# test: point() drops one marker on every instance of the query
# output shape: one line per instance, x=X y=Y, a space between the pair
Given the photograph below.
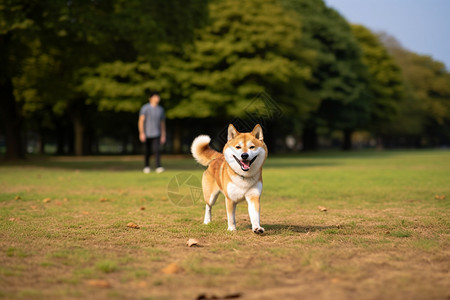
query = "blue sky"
x=422 y=26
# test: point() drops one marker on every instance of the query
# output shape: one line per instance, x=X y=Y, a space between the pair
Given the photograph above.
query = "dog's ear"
x=258 y=133
x=232 y=132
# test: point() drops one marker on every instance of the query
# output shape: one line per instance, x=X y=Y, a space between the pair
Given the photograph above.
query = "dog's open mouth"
x=245 y=163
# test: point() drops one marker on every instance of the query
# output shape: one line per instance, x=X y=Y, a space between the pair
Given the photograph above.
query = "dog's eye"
x=252 y=147
x=238 y=147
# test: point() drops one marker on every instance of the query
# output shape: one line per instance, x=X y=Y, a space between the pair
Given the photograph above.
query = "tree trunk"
x=9 y=110
x=60 y=138
x=90 y=142
x=177 y=137
x=40 y=138
x=40 y=143
x=124 y=144
x=78 y=130
x=71 y=141
x=347 y=145
x=12 y=120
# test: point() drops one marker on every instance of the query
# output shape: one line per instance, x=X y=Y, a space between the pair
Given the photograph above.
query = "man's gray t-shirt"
x=153 y=117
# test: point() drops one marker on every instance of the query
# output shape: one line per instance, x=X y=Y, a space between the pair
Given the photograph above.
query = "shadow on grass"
x=276 y=229
x=186 y=162
x=297 y=163
x=136 y=163
x=323 y=158
x=102 y=163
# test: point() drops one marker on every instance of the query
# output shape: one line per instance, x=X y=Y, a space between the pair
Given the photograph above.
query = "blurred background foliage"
x=75 y=73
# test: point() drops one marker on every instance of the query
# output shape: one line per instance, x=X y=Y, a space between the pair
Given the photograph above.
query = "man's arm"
x=141 y=128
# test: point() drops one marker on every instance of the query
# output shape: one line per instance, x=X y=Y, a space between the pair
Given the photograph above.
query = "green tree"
x=425 y=109
x=46 y=41
x=137 y=30
x=385 y=79
x=339 y=78
x=77 y=36
x=244 y=49
x=241 y=52
x=15 y=29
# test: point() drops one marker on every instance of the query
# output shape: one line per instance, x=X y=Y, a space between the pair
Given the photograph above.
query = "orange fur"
x=236 y=172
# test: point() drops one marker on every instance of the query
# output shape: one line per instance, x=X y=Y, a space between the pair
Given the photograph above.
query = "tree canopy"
x=424 y=113
x=241 y=52
x=68 y=65
x=339 y=78
x=57 y=42
x=385 y=80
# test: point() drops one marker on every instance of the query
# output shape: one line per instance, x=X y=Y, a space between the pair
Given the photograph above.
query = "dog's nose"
x=244 y=155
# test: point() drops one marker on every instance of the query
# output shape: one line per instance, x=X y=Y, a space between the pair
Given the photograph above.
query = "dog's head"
x=245 y=152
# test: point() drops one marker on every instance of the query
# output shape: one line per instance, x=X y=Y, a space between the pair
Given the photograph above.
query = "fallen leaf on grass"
x=133 y=225
x=142 y=208
x=17 y=198
x=335 y=280
x=212 y=296
x=439 y=197
x=206 y=297
x=232 y=296
x=172 y=268
x=85 y=212
x=322 y=208
x=46 y=200
x=192 y=242
x=103 y=199
x=14 y=219
x=140 y=284
x=99 y=283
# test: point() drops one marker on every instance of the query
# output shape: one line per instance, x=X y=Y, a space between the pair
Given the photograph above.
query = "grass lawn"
x=385 y=233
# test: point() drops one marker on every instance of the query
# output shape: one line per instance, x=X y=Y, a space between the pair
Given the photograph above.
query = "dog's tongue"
x=245 y=165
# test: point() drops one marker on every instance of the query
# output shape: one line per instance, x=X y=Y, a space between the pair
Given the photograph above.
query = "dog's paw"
x=258 y=230
x=231 y=229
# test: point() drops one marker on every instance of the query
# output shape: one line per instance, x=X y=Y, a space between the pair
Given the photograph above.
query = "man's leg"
x=147 y=152
x=155 y=148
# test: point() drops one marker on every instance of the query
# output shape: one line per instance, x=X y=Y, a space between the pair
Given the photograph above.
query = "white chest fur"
x=239 y=188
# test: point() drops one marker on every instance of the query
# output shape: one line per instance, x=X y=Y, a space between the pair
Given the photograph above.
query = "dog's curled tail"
x=202 y=152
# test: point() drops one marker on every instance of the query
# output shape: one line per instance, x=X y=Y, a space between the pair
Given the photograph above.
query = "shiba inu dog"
x=236 y=172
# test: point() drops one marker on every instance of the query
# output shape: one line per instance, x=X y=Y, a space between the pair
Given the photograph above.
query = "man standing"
x=152 y=130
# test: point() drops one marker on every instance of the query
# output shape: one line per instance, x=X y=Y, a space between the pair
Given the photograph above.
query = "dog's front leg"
x=207 y=219
x=231 y=214
x=253 y=211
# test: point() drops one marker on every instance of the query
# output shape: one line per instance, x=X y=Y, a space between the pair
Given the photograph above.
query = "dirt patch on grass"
x=340 y=254
x=82 y=247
